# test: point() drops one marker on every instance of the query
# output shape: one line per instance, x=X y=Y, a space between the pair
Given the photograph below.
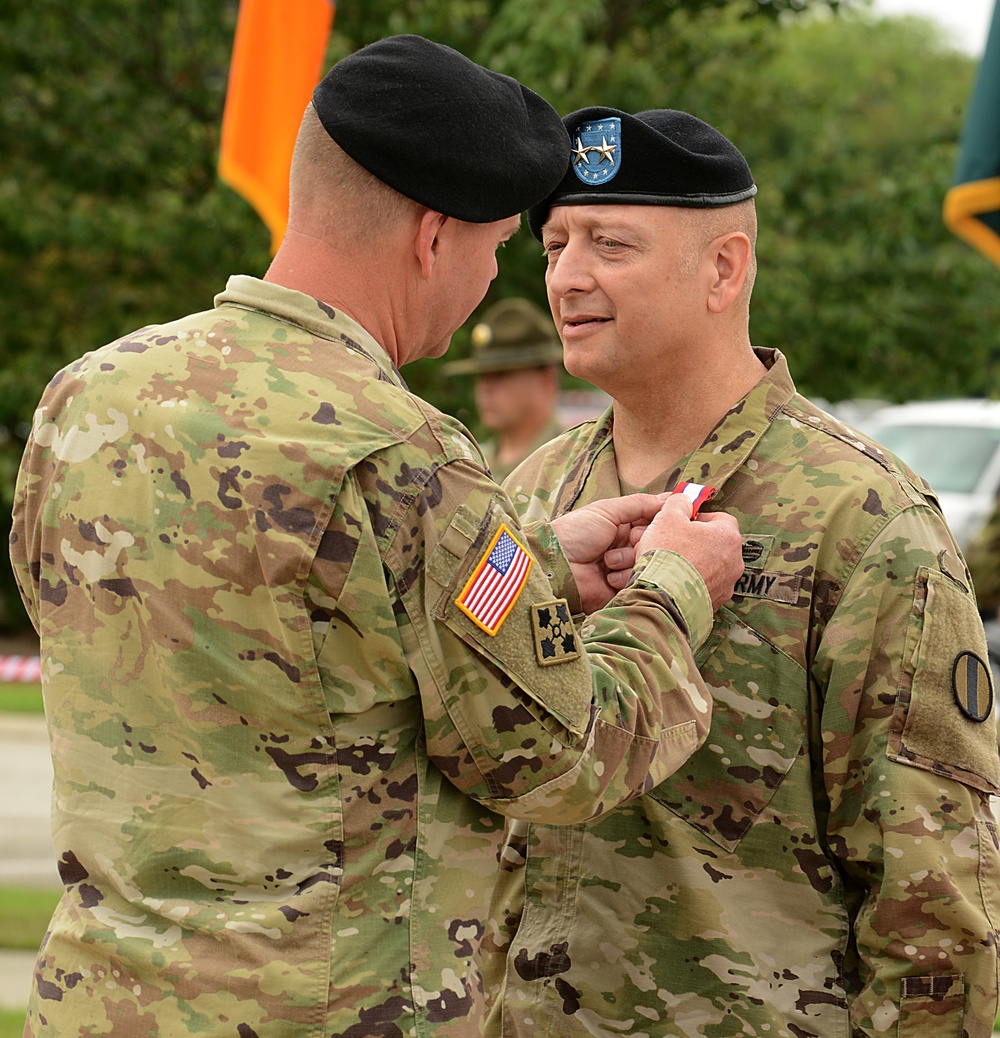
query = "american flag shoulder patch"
x=497 y=580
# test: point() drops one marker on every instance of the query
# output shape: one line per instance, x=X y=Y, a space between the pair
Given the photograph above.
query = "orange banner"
x=277 y=61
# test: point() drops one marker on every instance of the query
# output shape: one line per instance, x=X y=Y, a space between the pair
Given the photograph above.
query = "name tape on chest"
x=497 y=580
x=778 y=587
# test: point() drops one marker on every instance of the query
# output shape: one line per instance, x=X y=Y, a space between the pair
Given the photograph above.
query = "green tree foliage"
x=112 y=215
x=851 y=130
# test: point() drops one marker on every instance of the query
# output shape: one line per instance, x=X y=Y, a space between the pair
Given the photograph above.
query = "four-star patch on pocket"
x=556 y=640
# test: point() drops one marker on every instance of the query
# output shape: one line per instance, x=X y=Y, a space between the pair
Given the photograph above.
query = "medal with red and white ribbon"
x=695 y=493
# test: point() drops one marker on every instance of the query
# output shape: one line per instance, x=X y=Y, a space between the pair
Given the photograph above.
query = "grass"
x=24 y=912
x=11 y=1023
x=24 y=916
x=20 y=697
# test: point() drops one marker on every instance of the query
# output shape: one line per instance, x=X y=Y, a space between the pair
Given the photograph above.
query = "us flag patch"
x=491 y=591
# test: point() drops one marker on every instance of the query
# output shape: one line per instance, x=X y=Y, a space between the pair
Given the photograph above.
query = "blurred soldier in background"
x=517 y=360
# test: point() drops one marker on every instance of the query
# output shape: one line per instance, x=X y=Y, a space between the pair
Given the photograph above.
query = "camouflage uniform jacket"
x=826 y=864
x=278 y=742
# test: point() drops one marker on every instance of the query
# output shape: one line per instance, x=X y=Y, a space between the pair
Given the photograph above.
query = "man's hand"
x=711 y=543
x=602 y=541
x=600 y=528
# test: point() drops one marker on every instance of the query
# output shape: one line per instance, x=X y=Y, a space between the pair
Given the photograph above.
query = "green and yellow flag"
x=972 y=204
x=277 y=60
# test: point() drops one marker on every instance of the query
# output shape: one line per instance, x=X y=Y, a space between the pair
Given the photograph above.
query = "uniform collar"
x=311 y=315
x=741 y=428
x=724 y=451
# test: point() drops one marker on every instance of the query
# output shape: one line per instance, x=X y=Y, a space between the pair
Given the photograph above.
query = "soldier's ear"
x=729 y=260
x=427 y=241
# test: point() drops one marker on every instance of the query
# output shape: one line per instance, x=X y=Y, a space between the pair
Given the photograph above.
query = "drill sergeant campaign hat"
x=659 y=157
x=458 y=138
x=512 y=334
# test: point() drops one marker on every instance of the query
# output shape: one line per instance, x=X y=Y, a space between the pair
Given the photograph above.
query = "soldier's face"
x=467 y=268
x=624 y=290
x=507 y=400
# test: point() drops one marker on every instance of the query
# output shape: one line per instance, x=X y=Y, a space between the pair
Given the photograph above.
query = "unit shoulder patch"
x=556 y=640
x=972 y=684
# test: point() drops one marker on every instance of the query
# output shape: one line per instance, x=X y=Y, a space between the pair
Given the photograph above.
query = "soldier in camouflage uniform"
x=826 y=864
x=296 y=647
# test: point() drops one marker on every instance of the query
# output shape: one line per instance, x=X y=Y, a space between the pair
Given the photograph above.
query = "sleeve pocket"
x=943 y=719
x=563 y=692
x=932 y=1005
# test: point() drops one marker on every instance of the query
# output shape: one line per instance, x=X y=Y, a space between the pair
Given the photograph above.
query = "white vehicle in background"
x=955 y=446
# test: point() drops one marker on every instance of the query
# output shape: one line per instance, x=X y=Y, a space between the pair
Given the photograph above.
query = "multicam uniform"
x=275 y=733
x=826 y=864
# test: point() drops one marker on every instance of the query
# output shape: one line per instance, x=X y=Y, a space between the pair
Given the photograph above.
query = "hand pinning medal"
x=696 y=494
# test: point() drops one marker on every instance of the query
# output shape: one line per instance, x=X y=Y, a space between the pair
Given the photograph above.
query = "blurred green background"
x=112 y=215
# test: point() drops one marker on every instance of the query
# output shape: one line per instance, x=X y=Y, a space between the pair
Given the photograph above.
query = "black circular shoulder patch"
x=972 y=683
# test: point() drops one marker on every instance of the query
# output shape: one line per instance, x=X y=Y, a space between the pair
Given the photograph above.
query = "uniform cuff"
x=677 y=577
x=545 y=548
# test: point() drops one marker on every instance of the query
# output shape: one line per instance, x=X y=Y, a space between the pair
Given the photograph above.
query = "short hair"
x=334 y=197
x=699 y=227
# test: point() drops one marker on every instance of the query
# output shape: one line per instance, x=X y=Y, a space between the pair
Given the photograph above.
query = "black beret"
x=660 y=157
x=442 y=130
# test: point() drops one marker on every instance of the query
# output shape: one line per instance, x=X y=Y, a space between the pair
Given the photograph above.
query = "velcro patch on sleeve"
x=939 y=720
x=496 y=582
x=556 y=640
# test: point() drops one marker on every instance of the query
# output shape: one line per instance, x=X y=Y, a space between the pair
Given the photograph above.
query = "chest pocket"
x=757 y=732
